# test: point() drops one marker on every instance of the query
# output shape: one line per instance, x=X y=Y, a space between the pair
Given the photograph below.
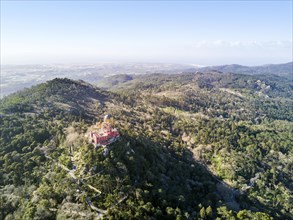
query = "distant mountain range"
x=284 y=69
x=17 y=77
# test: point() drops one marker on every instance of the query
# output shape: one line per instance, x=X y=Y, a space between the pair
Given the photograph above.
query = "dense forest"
x=193 y=146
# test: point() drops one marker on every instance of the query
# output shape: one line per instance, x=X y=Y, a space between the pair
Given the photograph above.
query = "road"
x=101 y=212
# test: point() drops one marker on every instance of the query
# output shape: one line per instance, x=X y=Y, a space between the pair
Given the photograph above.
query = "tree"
x=202 y=213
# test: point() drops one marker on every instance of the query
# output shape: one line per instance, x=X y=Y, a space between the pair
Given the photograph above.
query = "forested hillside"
x=192 y=146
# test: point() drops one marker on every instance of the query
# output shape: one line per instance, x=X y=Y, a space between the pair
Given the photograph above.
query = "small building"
x=104 y=138
x=104 y=134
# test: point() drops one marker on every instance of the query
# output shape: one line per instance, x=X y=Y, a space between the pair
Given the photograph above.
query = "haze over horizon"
x=204 y=33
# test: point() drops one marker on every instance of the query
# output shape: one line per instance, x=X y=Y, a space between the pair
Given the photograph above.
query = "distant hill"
x=111 y=81
x=285 y=69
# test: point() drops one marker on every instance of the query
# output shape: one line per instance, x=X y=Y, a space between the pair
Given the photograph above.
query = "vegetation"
x=193 y=146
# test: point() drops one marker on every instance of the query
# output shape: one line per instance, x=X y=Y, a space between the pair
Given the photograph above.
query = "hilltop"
x=193 y=146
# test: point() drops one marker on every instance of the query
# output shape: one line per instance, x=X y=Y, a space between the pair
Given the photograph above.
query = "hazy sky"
x=198 y=32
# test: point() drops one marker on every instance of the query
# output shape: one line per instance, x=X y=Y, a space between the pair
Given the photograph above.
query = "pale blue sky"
x=199 y=32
